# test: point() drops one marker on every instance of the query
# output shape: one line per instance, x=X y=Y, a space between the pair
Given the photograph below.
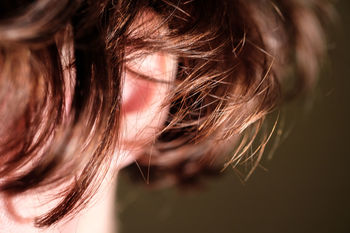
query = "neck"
x=98 y=216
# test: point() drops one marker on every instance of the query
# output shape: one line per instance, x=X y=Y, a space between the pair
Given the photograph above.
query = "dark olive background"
x=305 y=190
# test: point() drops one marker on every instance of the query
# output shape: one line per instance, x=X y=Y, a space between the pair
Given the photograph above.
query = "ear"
x=146 y=84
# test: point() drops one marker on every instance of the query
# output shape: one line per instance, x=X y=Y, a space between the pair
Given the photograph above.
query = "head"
x=179 y=87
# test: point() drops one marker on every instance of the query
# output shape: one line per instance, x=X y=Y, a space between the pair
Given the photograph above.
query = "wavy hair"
x=237 y=61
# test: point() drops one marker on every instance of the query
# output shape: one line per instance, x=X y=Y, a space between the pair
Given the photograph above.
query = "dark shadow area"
x=306 y=188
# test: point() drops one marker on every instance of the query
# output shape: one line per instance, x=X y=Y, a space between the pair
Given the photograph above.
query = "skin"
x=142 y=116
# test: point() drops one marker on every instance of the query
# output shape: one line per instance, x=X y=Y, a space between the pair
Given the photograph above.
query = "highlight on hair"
x=235 y=58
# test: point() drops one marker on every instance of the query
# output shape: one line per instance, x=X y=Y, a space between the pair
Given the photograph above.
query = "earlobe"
x=144 y=77
x=137 y=93
x=146 y=84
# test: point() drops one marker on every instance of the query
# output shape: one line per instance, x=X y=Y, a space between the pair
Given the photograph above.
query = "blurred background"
x=305 y=189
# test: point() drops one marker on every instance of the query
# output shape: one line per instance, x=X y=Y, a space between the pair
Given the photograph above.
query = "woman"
x=178 y=87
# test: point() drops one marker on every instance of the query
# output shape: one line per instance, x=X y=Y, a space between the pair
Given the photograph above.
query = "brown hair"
x=235 y=58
